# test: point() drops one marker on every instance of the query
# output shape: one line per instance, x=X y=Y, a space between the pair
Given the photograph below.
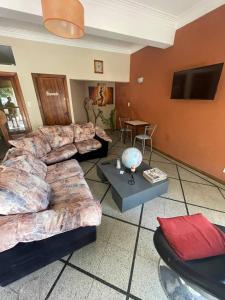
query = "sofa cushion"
x=102 y=134
x=21 y=192
x=60 y=154
x=63 y=216
x=88 y=146
x=58 y=135
x=83 y=132
x=14 y=152
x=74 y=187
x=63 y=170
x=29 y=164
x=37 y=145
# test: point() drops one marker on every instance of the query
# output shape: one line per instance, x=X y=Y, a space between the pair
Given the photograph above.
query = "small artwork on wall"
x=101 y=94
x=98 y=66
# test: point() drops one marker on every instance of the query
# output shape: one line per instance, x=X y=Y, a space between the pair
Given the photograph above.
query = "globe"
x=131 y=158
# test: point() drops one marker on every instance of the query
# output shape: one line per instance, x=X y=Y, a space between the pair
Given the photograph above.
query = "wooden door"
x=53 y=99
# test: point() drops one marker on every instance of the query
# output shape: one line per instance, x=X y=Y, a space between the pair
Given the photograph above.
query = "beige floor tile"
x=105 y=229
x=110 y=208
x=123 y=235
x=86 y=166
x=160 y=207
x=146 y=248
x=203 y=195
x=115 y=266
x=37 y=285
x=174 y=190
x=72 y=285
x=213 y=216
x=145 y=281
x=8 y=294
x=101 y=291
x=98 y=189
x=223 y=192
x=169 y=169
x=158 y=157
x=89 y=257
x=189 y=176
x=92 y=174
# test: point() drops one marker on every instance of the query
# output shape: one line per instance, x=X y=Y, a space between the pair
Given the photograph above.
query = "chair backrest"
x=121 y=122
x=150 y=129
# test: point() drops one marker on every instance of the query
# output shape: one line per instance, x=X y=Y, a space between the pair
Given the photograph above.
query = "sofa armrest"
x=102 y=134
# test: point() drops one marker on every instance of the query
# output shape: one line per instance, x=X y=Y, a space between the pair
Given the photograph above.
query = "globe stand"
x=131 y=180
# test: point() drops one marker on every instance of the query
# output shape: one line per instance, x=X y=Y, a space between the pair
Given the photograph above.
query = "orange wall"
x=191 y=131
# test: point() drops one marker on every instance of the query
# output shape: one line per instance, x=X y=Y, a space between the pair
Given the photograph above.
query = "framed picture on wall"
x=98 y=66
x=101 y=94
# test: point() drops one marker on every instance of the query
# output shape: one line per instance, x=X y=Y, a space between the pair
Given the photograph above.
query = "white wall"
x=78 y=93
x=75 y=63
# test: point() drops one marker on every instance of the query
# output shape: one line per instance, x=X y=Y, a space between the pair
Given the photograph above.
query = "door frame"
x=35 y=76
x=12 y=76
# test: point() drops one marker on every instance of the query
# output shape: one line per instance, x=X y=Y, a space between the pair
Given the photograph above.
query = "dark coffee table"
x=125 y=195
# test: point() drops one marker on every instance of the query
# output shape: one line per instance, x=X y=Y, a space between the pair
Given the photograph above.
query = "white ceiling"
x=123 y=26
x=173 y=7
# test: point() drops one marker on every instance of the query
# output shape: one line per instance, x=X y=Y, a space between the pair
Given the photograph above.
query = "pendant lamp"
x=64 y=18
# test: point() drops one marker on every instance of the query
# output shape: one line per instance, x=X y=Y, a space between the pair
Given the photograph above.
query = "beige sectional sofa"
x=41 y=201
x=53 y=144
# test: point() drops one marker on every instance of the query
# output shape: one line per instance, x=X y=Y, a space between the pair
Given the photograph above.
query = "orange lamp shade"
x=64 y=18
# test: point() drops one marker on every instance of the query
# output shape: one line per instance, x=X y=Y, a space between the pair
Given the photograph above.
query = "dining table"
x=136 y=124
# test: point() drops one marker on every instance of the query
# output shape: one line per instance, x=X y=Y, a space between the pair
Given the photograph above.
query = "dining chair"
x=148 y=134
x=124 y=129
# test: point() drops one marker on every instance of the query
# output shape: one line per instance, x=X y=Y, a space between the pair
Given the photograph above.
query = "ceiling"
x=122 y=26
x=173 y=7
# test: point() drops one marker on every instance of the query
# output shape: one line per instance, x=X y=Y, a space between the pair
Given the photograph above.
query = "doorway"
x=52 y=95
x=13 y=105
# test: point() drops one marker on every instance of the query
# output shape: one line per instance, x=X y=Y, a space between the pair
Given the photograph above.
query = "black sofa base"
x=99 y=153
x=26 y=258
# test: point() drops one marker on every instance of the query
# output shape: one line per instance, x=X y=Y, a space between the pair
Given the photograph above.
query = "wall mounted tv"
x=196 y=84
x=6 y=55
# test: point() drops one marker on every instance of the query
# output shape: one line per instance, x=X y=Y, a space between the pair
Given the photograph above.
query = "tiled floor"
x=123 y=263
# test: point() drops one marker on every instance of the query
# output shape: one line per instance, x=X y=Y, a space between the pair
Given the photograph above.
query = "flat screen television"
x=6 y=55
x=198 y=83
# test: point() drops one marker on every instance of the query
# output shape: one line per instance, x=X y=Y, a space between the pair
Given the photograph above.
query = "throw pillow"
x=83 y=132
x=193 y=237
x=29 y=164
x=21 y=192
x=37 y=145
x=58 y=136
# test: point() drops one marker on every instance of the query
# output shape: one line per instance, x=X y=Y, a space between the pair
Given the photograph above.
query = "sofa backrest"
x=58 y=135
x=83 y=132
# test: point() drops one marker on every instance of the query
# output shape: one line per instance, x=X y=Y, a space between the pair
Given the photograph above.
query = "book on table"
x=154 y=175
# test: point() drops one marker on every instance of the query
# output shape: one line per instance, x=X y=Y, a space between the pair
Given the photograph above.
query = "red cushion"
x=193 y=237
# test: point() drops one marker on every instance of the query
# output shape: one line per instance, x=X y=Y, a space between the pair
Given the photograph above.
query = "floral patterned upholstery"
x=37 y=145
x=102 y=134
x=88 y=146
x=63 y=170
x=72 y=206
x=63 y=216
x=14 y=152
x=29 y=164
x=21 y=192
x=83 y=132
x=60 y=154
x=74 y=187
x=58 y=136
